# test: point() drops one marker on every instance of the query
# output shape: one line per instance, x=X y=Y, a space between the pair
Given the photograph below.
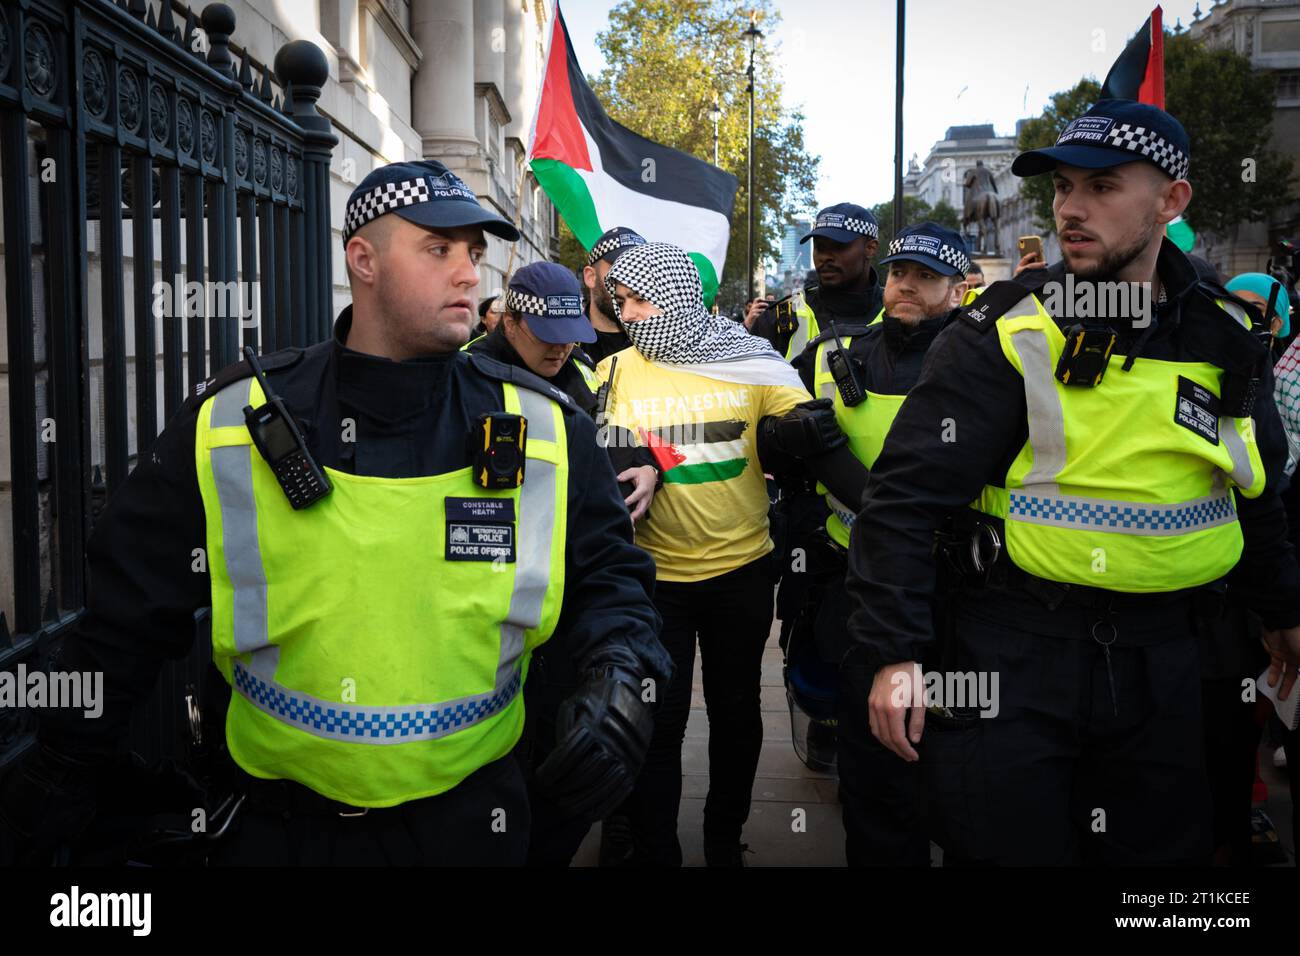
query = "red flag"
x=1139 y=73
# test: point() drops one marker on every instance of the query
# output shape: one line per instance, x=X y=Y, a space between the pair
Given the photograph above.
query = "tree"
x=665 y=60
x=1042 y=131
x=1227 y=111
x=915 y=209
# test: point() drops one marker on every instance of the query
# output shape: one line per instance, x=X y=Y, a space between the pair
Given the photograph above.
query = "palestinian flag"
x=1139 y=73
x=698 y=453
x=600 y=175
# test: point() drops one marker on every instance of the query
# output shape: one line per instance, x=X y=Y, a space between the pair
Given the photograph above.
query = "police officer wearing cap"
x=1119 y=460
x=386 y=527
x=540 y=329
x=866 y=369
x=845 y=239
x=610 y=337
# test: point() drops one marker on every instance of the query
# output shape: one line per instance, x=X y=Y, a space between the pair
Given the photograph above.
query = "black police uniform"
x=800 y=511
x=880 y=793
x=839 y=304
x=554 y=673
x=1002 y=793
x=412 y=418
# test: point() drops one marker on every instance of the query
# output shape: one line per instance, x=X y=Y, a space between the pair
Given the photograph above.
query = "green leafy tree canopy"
x=1227 y=110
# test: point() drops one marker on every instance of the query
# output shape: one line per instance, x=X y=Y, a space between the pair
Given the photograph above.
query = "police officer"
x=541 y=325
x=610 y=337
x=924 y=272
x=377 y=580
x=845 y=239
x=1117 y=464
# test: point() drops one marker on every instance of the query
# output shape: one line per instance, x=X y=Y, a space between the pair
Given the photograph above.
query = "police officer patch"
x=480 y=529
x=1197 y=409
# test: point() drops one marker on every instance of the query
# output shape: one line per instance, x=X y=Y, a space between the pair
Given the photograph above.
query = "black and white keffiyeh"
x=685 y=333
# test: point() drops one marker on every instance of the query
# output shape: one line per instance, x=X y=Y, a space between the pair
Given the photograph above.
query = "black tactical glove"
x=46 y=801
x=808 y=430
x=602 y=733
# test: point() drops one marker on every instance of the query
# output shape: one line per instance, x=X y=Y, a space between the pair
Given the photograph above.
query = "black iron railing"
x=113 y=116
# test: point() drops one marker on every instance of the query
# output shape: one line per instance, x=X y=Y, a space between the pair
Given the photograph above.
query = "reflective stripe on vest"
x=232 y=473
x=1078 y=441
x=865 y=426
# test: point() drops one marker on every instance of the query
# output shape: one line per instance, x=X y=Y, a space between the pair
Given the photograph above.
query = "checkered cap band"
x=863 y=226
x=522 y=302
x=946 y=254
x=848 y=223
x=607 y=245
x=383 y=199
x=1153 y=146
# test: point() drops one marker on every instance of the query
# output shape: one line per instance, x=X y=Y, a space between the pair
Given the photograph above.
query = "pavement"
x=785 y=785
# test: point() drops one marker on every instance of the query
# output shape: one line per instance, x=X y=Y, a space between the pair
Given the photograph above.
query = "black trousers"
x=552 y=678
x=1087 y=760
x=731 y=616
x=484 y=821
x=881 y=796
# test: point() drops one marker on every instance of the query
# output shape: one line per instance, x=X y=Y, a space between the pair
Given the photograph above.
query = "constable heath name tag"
x=480 y=529
x=1197 y=410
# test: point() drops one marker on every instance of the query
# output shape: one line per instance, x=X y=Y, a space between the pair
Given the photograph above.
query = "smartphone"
x=1031 y=245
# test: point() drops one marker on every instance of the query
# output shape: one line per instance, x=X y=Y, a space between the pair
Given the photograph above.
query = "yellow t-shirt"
x=710 y=516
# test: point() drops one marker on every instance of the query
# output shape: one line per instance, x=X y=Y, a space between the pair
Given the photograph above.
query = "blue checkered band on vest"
x=1122 y=517
x=946 y=254
x=383 y=199
x=422 y=721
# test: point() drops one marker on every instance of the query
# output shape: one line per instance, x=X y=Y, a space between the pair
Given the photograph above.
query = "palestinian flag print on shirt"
x=699 y=452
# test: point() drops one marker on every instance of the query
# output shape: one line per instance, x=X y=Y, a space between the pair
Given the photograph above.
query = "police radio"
x=498 y=442
x=277 y=437
x=841 y=366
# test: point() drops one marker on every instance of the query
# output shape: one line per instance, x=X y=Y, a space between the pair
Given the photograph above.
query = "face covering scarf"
x=685 y=335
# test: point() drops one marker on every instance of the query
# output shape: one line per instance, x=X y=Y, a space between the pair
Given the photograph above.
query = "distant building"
x=795 y=258
x=1267 y=31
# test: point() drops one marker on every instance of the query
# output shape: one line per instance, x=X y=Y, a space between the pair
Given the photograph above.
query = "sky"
x=968 y=62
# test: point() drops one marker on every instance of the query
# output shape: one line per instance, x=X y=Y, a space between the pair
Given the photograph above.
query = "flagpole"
x=753 y=33
x=898 y=119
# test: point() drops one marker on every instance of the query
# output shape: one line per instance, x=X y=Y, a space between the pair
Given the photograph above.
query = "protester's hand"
x=1030 y=261
x=896 y=688
x=643 y=481
x=1283 y=648
x=756 y=308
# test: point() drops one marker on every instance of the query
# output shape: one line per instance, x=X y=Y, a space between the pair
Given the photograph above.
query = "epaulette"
x=1213 y=290
x=486 y=365
x=993 y=303
x=274 y=362
x=584 y=358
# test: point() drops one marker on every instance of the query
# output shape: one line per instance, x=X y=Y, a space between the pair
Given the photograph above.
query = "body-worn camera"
x=1086 y=355
x=497 y=446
